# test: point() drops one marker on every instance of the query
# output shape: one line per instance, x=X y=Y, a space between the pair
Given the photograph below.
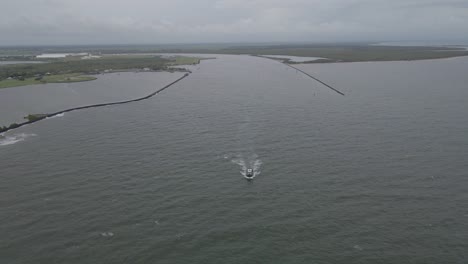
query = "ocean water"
x=377 y=176
x=294 y=58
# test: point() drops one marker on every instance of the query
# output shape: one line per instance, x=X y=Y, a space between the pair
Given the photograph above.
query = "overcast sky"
x=30 y=22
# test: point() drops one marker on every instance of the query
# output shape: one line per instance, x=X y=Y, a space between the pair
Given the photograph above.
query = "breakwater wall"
x=329 y=86
x=15 y=126
x=305 y=73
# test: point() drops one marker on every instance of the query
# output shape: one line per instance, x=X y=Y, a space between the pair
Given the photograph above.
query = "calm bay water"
x=377 y=176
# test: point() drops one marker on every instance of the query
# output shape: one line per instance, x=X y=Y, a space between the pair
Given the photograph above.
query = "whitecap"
x=358 y=247
x=58 y=115
x=107 y=234
x=13 y=139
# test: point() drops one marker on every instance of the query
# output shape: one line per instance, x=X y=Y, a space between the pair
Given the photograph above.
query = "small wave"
x=107 y=234
x=357 y=247
x=245 y=163
x=10 y=140
x=59 y=115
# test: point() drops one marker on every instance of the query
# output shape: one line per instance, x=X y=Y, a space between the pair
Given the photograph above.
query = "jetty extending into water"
x=329 y=86
x=305 y=73
x=44 y=116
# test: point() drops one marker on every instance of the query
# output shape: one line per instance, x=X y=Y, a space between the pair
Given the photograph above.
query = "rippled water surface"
x=377 y=176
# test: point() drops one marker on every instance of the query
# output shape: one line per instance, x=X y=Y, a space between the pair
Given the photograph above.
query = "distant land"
x=332 y=52
x=77 y=63
x=77 y=67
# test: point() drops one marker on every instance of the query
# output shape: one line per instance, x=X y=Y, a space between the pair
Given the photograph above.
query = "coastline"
x=44 y=116
x=71 y=69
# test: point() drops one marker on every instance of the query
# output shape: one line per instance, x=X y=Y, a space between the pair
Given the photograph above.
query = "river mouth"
x=338 y=177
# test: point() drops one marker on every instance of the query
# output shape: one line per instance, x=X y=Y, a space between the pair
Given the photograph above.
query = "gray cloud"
x=145 y=21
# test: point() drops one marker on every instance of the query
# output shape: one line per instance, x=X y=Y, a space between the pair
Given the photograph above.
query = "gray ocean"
x=377 y=176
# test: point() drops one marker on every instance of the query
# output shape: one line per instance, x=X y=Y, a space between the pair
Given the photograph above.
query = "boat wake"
x=248 y=162
x=10 y=140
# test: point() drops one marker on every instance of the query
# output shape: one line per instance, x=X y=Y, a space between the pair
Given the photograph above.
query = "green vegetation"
x=74 y=69
x=110 y=49
x=65 y=66
x=334 y=52
x=59 y=78
x=182 y=60
x=137 y=57
x=352 y=53
x=66 y=78
x=14 y=82
x=35 y=117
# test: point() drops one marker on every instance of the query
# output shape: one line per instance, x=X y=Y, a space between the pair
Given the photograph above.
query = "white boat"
x=249 y=173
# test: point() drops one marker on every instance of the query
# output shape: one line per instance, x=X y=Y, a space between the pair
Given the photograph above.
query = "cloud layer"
x=30 y=22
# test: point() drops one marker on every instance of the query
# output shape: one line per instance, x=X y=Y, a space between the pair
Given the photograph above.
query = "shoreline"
x=45 y=116
x=75 y=69
x=330 y=61
x=84 y=77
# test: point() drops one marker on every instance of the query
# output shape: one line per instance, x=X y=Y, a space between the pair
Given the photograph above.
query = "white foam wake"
x=248 y=162
x=10 y=140
x=59 y=115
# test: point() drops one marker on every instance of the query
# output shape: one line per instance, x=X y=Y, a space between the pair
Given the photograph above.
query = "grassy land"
x=72 y=69
x=58 y=67
x=353 y=53
x=182 y=60
x=173 y=61
x=59 y=78
x=34 y=117
x=334 y=52
x=127 y=57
